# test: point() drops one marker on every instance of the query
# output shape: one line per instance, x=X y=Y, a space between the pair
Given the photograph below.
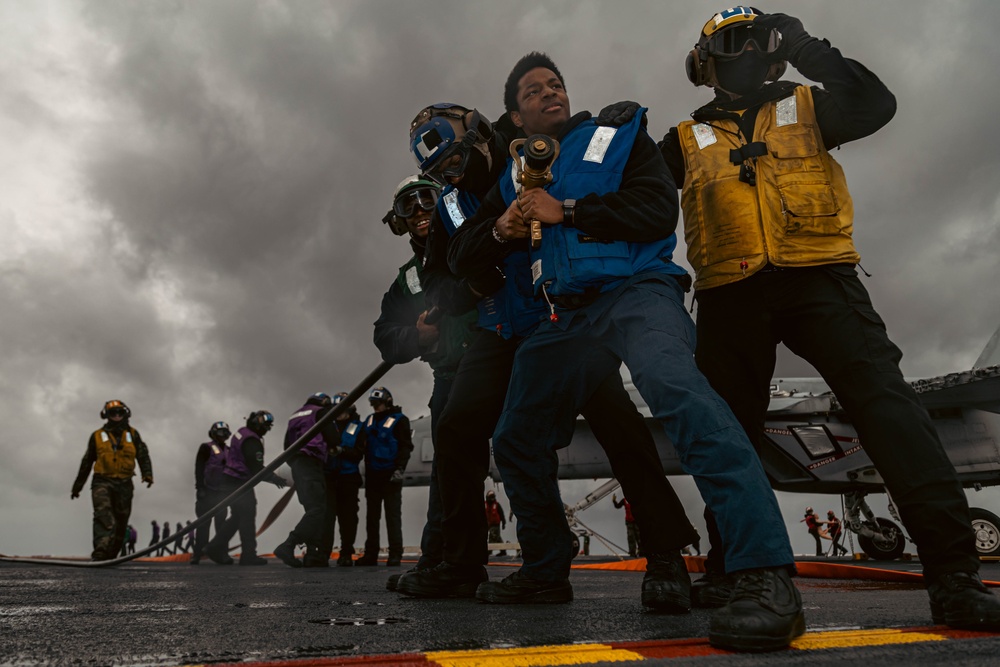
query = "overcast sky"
x=191 y=195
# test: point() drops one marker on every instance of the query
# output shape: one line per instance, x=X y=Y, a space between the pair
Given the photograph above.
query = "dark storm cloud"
x=226 y=165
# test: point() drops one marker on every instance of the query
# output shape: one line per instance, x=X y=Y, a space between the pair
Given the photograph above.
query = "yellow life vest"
x=799 y=213
x=114 y=458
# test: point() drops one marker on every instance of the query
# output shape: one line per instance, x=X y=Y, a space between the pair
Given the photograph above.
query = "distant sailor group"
x=534 y=279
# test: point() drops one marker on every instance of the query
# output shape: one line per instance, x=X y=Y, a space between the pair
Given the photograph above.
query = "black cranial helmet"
x=726 y=37
x=321 y=399
x=219 y=431
x=260 y=422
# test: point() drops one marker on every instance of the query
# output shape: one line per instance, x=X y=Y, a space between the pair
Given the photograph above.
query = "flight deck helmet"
x=114 y=408
x=380 y=395
x=260 y=422
x=219 y=432
x=444 y=130
x=412 y=192
x=726 y=36
x=321 y=399
x=351 y=413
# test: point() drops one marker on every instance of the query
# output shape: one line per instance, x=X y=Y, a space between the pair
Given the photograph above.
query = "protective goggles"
x=116 y=412
x=406 y=204
x=454 y=168
x=734 y=41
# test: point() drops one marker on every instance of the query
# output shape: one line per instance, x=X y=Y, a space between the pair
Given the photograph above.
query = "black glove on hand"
x=619 y=113
x=397 y=477
x=793 y=36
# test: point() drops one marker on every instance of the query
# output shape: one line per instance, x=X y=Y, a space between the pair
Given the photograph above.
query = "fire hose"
x=266 y=471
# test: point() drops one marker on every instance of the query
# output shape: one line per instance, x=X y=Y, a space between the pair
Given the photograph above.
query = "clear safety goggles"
x=733 y=42
x=406 y=205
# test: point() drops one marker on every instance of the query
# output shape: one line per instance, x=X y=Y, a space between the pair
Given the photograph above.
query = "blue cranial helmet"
x=443 y=130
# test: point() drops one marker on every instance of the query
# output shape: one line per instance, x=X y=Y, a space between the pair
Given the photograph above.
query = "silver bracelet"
x=497 y=236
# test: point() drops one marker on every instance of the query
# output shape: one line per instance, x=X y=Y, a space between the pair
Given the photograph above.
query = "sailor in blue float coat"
x=473 y=408
x=632 y=312
x=343 y=481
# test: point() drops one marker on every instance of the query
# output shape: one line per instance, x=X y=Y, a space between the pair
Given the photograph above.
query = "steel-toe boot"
x=764 y=614
x=960 y=600
x=667 y=585
x=519 y=588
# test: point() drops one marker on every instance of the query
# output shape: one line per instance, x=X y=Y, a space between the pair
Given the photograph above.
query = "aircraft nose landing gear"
x=878 y=537
x=881 y=539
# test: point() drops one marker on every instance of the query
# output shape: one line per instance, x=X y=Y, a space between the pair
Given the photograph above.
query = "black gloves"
x=619 y=113
x=793 y=36
x=396 y=477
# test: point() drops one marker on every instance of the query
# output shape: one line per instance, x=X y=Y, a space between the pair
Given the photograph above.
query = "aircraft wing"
x=978 y=388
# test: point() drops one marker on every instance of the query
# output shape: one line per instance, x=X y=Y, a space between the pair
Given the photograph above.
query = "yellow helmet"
x=726 y=36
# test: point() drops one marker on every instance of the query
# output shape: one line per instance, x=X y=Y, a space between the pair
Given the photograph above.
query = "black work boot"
x=764 y=614
x=667 y=585
x=366 y=561
x=519 y=588
x=286 y=553
x=252 y=559
x=219 y=556
x=444 y=581
x=392 y=583
x=960 y=600
x=345 y=560
x=713 y=590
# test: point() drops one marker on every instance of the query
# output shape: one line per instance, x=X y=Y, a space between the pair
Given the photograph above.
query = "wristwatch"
x=569 y=207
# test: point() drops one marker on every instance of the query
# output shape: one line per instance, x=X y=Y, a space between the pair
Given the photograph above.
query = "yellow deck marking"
x=850 y=638
x=536 y=656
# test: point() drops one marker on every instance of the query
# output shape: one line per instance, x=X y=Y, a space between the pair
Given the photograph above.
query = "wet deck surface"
x=153 y=613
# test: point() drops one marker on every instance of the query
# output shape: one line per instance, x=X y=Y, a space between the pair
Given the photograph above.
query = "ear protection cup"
x=700 y=67
x=396 y=224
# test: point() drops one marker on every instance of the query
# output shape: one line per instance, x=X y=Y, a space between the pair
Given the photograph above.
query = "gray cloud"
x=191 y=196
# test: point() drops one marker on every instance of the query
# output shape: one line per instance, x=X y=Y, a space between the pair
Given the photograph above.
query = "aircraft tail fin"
x=991 y=353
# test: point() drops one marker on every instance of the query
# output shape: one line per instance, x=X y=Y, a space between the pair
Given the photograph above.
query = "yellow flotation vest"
x=115 y=457
x=799 y=213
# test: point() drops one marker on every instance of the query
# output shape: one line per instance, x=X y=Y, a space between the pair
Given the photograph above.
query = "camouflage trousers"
x=112 y=507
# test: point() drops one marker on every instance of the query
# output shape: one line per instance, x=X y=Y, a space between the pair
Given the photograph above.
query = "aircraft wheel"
x=888 y=546
x=986 y=525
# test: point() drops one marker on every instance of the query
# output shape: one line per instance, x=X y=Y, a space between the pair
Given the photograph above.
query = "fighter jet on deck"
x=810 y=446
